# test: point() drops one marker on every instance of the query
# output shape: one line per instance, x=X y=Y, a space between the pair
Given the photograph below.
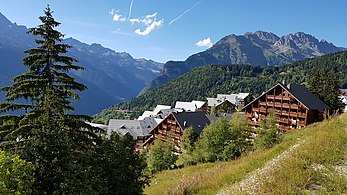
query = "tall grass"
x=325 y=144
x=310 y=167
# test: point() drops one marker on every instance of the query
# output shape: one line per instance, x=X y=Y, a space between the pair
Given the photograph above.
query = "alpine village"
x=228 y=120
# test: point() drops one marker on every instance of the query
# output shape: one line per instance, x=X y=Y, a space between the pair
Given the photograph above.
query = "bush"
x=16 y=175
x=223 y=140
x=161 y=157
x=268 y=133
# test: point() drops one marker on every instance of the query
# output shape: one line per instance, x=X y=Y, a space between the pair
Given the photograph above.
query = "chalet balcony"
x=262 y=103
x=285 y=128
x=254 y=123
x=270 y=97
x=300 y=123
x=171 y=122
x=285 y=113
x=301 y=115
x=278 y=97
x=262 y=109
x=285 y=105
x=248 y=114
x=262 y=117
x=294 y=106
x=284 y=120
x=293 y=114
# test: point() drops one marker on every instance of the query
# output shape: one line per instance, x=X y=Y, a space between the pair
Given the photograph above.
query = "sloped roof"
x=145 y=114
x=198 y=104
x=160 y=107
x=122 y=127
x=242 y=95
x=187 y=106
x=306 y=97
x=232 y=98
x=197 y=120
x=156 y=110
x=302 y=94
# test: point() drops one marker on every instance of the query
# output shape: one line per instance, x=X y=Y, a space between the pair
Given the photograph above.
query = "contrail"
x=185 y=12
x=130 y=8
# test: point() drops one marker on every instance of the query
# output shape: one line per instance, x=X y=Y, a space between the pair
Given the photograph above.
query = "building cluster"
x=343 y=98
x=294 y=105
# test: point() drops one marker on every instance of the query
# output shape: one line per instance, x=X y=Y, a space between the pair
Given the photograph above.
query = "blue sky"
x=165 y=30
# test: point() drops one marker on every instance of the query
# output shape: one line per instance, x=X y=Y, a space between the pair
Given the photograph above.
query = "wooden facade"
x=172 y=127
x=295 y=107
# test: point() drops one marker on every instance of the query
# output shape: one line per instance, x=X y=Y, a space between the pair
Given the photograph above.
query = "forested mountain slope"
x=110 y=76
x=207 y=81
x=259 y=49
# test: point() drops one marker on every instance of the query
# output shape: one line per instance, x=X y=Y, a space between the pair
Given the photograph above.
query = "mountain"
x=208 y=81
x=110 y=76
x=258 y=49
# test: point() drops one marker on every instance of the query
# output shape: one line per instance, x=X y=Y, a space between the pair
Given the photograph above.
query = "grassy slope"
x=325 y=144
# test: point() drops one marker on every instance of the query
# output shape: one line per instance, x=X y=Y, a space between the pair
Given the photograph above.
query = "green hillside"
x=207 y=81
x=312 y=160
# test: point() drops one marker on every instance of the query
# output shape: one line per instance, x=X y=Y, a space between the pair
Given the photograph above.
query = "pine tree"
x=47 y=134
x=324 y=84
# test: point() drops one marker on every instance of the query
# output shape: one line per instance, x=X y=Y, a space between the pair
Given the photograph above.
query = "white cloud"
x=205 y=43
x=112 y=12
x=118 y=18
x=147 y=20
x=150 y=27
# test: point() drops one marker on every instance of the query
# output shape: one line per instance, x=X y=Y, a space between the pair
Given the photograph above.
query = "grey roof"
x=235 y=99
x=197 y=120
x=306 y=97
x=302 y=94
x=122 y=127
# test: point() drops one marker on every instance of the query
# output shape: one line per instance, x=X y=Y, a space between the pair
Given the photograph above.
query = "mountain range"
x=208 y=81
x=110 y=76
x=259 y=49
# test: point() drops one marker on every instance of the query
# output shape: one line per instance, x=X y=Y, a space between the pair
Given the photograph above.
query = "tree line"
x=208 y=81
x=49 y=150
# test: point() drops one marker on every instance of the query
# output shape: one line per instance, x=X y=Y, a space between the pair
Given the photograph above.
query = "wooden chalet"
x=294 y=105
x=172 y=127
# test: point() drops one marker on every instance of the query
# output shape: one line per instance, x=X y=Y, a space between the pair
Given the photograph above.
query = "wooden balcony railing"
x=262 y=103
x=301 y=115
x=284 y=120
x=300 y=123
x=262 y=109
x=248 y=114
x=252 y=123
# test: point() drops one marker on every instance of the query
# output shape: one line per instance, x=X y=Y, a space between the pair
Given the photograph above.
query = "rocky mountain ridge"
x=259 y=49
x=110 y=76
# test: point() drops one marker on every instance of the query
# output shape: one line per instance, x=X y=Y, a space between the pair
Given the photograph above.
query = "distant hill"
x=258 y=49
x=110 y=76
x=208 y=81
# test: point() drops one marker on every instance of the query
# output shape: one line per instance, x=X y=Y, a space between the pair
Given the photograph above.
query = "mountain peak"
x=4 y=22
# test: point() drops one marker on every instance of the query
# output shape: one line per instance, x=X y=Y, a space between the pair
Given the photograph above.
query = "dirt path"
x=251 y=184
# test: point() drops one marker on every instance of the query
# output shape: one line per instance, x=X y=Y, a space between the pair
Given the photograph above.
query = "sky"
x=164 y=30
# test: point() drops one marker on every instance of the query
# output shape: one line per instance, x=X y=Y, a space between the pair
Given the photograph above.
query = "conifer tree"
x=47 y=134
x=324 y=84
